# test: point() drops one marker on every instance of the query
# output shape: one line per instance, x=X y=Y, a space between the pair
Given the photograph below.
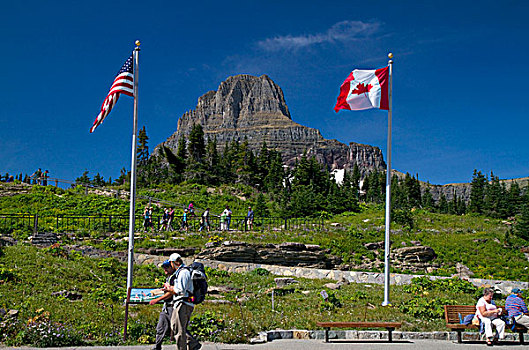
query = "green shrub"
x=105 y=292
x=423 y=307
x=206 y=326
x=7 y=274
x=259 y=271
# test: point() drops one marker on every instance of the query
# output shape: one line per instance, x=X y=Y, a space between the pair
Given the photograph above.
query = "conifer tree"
x=143 y=148
x=196 y=146
x=522 y=220
x=83 y=179
x=427 y=199
x=181 y=151
x=98 y=180
x=443 y=204
x=477 y=192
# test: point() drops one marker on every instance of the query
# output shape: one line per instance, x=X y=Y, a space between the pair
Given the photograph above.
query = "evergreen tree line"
x=309 y=188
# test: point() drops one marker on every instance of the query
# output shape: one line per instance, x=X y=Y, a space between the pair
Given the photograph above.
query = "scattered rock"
x=374 y=245
x=6 y=241
x=336 y=224
x=333 y=286
x=463 y=271
x=44 y=239
x=222 y=289
x=70 y=295
x=218 y=301
x=12 y=313
x=284 y=281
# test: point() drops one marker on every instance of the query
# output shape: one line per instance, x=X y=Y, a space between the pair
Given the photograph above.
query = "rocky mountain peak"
x=245 y=107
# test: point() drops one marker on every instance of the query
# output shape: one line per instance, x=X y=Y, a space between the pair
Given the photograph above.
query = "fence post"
x=57 y=225
x=110 y=223
x=36 y=224
x=286 y=223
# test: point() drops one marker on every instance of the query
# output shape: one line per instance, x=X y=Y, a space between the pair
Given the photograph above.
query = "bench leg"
x=459 y=337
x=521 y=337
x=327 y=334
x=390 y=334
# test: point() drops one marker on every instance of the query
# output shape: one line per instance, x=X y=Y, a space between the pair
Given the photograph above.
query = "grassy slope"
x=485 y=245
x=39 y=272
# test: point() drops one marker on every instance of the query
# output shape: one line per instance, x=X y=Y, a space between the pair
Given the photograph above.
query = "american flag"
x=123 y=83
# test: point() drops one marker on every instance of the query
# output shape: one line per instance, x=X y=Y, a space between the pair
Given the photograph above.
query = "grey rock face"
x=291 y=254
x=416 y=258
x=254 y=108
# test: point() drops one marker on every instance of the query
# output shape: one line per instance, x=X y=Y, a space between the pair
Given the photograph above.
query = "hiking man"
x=204 y=222
x=249 y=218
x=164 y=321
x=516 y=308
x=181 y=289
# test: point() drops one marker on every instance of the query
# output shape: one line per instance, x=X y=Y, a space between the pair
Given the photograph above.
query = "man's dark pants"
x=163 y=326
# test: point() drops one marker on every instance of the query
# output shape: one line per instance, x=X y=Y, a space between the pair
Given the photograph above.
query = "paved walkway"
x=317 y=345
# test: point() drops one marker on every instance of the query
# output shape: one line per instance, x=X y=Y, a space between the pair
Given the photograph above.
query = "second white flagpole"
x=387 y=242
x=132 y=218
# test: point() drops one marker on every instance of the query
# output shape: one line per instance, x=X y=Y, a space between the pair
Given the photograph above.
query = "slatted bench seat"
x=390 y=326
x=452 y=313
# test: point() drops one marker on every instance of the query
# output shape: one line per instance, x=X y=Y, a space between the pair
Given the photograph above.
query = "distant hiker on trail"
x=191 y=209
x=204 y=221
x=223 y=219
x=36 y=176
x=185 y=225
x=249 y=218
x=164 y=320
x=170 y=219
x=165 y=219
x=227 y=211
x=147 y=219
x=182 y=289
x=45 y=178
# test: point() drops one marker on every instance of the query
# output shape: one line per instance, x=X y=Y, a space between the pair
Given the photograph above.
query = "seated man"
x=516 y=307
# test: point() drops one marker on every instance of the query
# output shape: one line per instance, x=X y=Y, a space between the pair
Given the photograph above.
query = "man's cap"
x=174 y=257
x=516 y=291
x=166 y=264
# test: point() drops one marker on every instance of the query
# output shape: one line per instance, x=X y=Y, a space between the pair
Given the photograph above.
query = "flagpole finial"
x=137 y=43
x=390 y=55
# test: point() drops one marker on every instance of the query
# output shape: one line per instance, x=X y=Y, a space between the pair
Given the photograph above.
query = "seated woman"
x=489 y=314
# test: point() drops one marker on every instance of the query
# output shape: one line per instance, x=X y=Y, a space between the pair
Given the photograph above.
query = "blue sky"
x=459 y=89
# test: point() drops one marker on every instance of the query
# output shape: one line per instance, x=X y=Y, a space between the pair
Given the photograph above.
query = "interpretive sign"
x=143 y=295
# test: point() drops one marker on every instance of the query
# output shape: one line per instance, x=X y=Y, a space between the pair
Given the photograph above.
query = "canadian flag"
x=364 y=89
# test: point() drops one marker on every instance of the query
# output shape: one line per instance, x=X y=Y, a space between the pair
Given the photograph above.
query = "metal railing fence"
x=120 y=223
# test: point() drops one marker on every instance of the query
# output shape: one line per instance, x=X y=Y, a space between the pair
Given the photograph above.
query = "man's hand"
x=154 y=301
x=168 y=288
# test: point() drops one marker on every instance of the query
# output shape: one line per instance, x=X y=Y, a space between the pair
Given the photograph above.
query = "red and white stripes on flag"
x=364 y=89
x=123 y=84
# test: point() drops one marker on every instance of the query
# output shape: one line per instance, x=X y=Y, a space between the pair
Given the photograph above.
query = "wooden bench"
x=390 y=326
x=453 y=312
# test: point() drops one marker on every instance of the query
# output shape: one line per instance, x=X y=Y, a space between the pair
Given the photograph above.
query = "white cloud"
x=339 y=32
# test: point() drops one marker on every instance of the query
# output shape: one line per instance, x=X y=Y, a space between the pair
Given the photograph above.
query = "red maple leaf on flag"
x=362 y=89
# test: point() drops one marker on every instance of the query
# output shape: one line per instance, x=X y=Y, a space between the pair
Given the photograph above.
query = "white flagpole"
x=132 y=218
x=388 y=194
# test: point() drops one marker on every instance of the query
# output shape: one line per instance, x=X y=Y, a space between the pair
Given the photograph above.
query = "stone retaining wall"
x=374 y=335
x=352 y=276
